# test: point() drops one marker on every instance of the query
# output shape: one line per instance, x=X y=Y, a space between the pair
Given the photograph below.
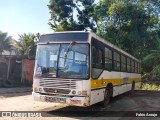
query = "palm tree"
x=37 y=37
x=16 y=46
x=5 y=42
x=26 y=41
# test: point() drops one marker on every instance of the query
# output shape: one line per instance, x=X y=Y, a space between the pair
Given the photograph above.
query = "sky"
x=24 y=16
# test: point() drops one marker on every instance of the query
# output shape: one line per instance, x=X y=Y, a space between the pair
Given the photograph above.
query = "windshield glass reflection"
x=73 y=62
x=46 y=60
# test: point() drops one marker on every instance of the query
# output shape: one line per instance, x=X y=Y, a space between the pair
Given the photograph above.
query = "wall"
x=28 y=70
x=10 y=70
x=15 y=71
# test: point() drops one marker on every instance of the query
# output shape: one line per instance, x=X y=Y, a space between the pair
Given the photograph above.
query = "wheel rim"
x=106 y=97
x=133 y=86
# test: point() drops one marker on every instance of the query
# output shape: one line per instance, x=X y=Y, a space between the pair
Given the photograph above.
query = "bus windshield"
x=62 y=60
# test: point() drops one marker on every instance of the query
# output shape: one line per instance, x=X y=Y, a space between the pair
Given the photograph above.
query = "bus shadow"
x=119 y=106
x=95 y=110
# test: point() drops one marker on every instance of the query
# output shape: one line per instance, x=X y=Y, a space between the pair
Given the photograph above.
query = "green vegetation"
x=26 y=42
x=151 y=64
x=146 y=86
x=133 y=25
x=63 y=15
x=5 y=42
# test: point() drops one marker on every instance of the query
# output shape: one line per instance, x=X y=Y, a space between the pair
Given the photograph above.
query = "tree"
x=121 y=22
x=86 y=15
x=16 y=46
x=128 y=25
x=5 y=42
x=63 y=18
x=61 y=14
x=26 y=41
x=151 y=64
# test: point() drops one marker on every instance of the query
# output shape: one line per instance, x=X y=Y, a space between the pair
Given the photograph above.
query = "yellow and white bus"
x=80 y=68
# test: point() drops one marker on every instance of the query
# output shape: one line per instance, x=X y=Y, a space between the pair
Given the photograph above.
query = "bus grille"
x=52 y=90
x=58 y=83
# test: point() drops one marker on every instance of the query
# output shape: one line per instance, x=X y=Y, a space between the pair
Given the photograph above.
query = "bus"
x=79 y=68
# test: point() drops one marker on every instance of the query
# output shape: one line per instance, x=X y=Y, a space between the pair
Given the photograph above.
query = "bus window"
x=139 y=68
x=97 y=57
x=123 y=63
x=80 y=57
x=136 y=67
x=96 y=62
x=75 y=63
x=132 y=66
x=128 y=65
x=116 y=61
x=108 y=59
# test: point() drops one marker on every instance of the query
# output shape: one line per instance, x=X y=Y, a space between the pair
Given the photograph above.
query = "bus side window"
x=97 y=58
x=116 y=61
x=128 y=65
x=108 y=59
x=136 y=67
x=139 y=68
x=132 y=66
x=123 y=63
x=96 y=62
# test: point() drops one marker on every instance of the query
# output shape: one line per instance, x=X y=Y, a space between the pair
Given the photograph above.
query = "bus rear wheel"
x=132 y=88
x=107 y=98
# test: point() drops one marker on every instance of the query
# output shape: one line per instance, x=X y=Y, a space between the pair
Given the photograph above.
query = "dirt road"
x=140 y=101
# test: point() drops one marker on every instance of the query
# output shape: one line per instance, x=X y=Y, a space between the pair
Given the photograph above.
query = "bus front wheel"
x=107 y=97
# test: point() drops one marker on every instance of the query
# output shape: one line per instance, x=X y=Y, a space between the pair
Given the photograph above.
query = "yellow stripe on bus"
x=116 y=81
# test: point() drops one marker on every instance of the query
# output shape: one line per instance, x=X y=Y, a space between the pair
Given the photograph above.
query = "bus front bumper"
x=75 y=100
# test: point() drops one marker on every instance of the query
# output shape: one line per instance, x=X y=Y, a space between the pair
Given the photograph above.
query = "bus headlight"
x=79 y=92
x=40 y=89
x=84 y=92
x=73 y=92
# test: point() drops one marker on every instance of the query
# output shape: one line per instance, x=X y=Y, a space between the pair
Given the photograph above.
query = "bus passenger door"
x=97 y=93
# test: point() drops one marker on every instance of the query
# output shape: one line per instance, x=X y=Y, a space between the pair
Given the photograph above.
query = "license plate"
x=54 y=99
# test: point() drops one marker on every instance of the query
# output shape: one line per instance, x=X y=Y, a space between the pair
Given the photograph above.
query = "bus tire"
x=107 y=97
x=132 y=88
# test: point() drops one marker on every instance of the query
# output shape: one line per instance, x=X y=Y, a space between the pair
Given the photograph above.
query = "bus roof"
x=65 y=36
x=80 y=36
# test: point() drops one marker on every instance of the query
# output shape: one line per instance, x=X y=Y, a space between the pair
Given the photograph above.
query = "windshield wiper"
x=68 y=48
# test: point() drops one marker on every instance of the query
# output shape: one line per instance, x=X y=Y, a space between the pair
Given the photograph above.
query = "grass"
x=146 y=86
x=150 y=82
